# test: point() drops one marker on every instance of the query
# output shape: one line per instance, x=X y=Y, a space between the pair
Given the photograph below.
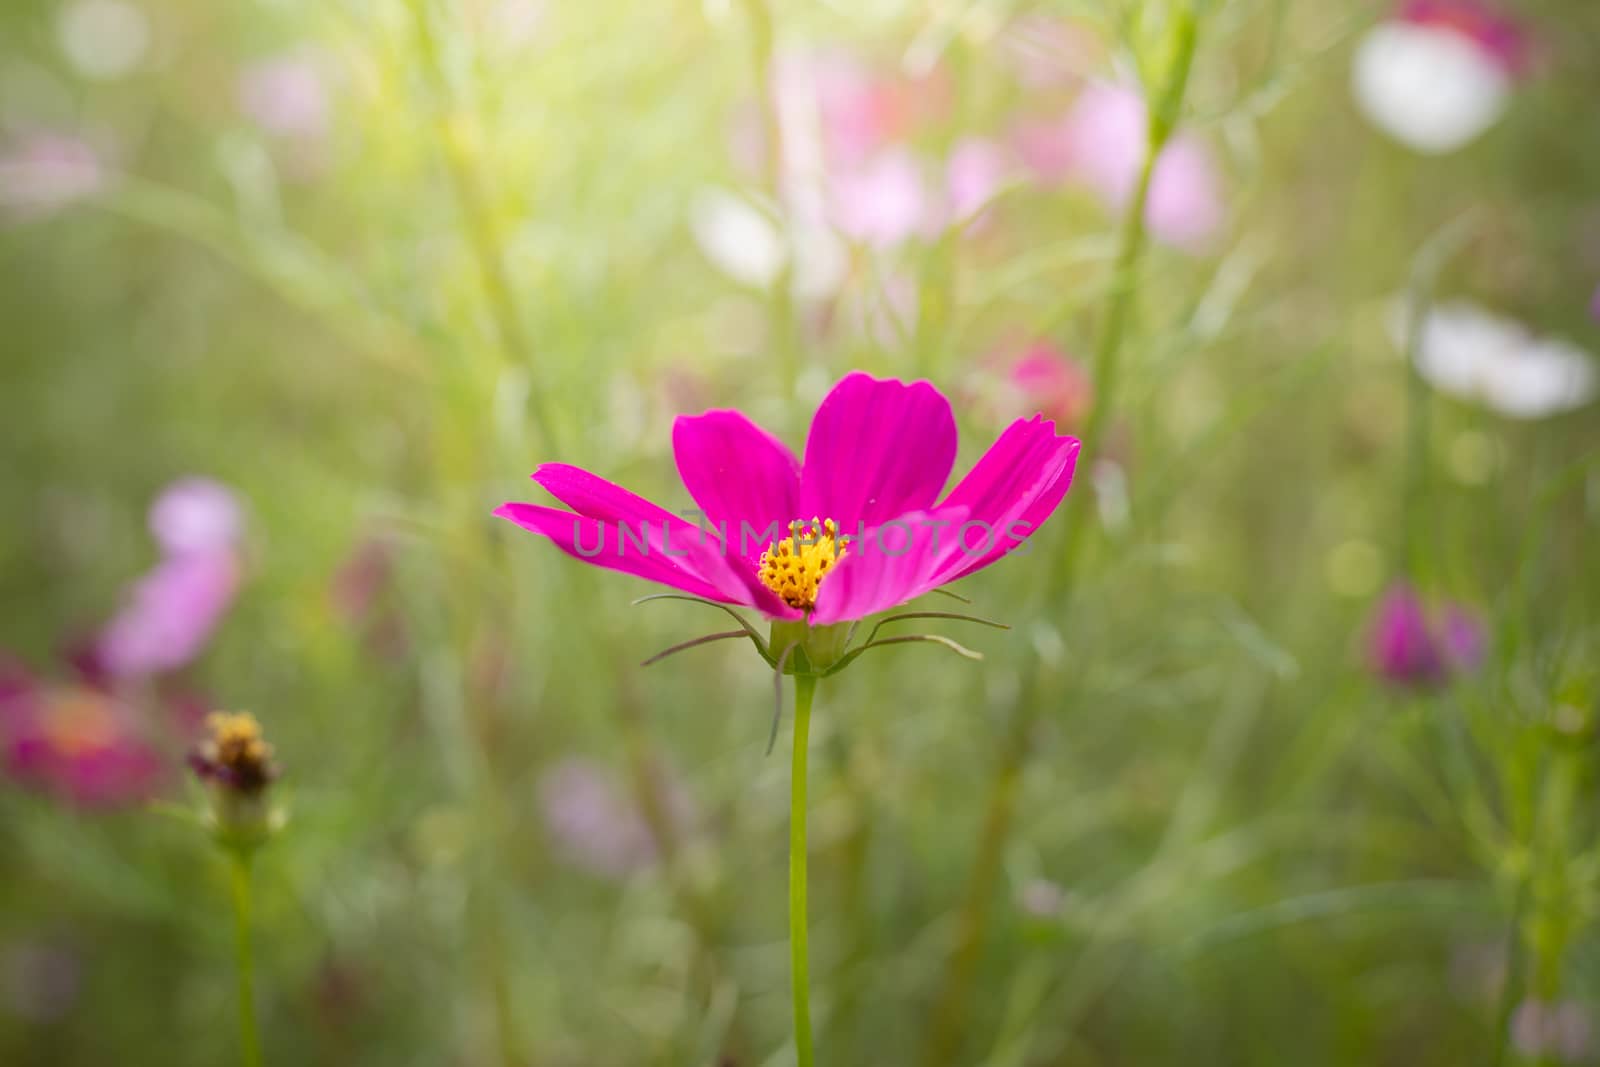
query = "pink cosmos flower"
x=1409 y=646
x=171 y=613
x=1101 y=143
x=79 y=742
x=857 y=528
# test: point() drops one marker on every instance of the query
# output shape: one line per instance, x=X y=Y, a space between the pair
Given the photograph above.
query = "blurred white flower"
x=1437 y=74
x=1472 y=353
x=746 y=245
x=45 y=172
x=103 y=39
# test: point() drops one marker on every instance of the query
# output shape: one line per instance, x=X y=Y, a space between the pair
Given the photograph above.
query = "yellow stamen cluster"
x=235 y=748
x=795 y=565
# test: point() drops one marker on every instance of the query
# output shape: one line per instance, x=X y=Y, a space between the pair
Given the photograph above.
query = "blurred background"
x=1303 y=770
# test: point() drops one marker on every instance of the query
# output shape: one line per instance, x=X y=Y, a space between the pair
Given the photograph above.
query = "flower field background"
x=1289 y=753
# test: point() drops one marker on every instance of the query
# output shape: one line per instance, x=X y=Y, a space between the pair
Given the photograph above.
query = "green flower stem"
x=249 y=1033
x=948 y=1023
x=805 y=687
x=780 y=297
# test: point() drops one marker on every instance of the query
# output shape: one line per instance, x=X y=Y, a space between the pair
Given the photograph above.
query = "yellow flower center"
x=795 y=565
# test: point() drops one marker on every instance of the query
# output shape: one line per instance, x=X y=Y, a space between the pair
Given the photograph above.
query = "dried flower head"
x=234 y=755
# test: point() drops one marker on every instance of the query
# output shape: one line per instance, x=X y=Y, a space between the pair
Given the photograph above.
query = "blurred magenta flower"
x=1409 y=645
x=43 y=173
x=1102 y=144
x=78 y=742
x=596 y=825
x=1553 y=1030
x=877 y=457
x=171 y=612
x=1438 y=72
x=1477 y=355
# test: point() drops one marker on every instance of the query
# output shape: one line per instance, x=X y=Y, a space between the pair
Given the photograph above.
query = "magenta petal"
x=877 y=449
x=613 y=545
x=1013 y=488
x=738 y=473
x=889 y=564
x=675 y=547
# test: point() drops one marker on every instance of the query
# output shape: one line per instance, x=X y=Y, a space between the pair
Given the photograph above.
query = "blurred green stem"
x=945 y=1033
x=781 y=295
x=461 y=137
x=249 y=1033
x=805 y=687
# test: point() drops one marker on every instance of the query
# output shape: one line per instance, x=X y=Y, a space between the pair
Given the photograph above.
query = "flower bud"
x=235 y=763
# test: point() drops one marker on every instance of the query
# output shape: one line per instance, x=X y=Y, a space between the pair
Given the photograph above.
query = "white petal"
x=1430 y=88
x=738 y=239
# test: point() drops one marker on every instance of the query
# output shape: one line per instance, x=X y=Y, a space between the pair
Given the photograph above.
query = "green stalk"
x=805 y=687
x=249 y=1033
x=781 y=299
x=971 y=927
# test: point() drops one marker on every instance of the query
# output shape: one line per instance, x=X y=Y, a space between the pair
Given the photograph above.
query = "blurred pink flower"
x=597 y=826
x=362 y=596
x=1041 y=898
x=1594 y=305
x=883 y=202
x=172 y=611
x=1019 y=379
x=285 y=96
x=974 y=173
x=1498 y=36
x=78 y=742
x=45 y=172
x=1409 y=645
x=834 y=104
x=1101 y=144
x=895 y=197
x=1553 y=1030
x=1053 y=384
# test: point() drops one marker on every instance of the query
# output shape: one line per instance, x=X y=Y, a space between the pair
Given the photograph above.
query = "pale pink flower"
x=1101 y=145
x=43 y=173
x=170 y=613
